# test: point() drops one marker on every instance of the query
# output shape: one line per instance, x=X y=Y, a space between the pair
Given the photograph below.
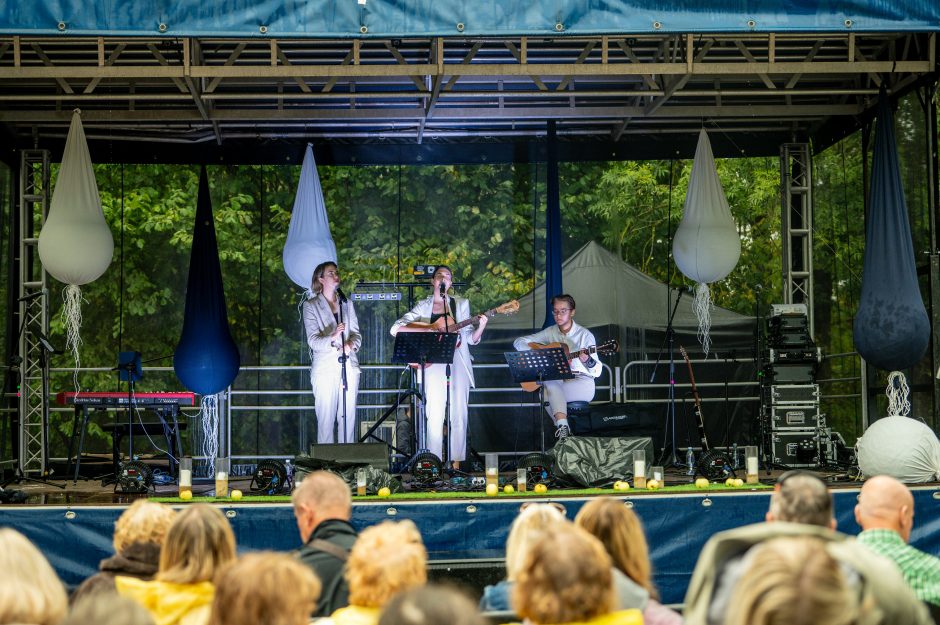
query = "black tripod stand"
x=670 y=339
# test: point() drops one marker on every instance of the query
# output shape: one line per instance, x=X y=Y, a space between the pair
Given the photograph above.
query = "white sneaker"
x=562 y=432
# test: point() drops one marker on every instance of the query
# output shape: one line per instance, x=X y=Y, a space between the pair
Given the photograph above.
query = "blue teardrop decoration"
x=206 y=359
x=891 y=328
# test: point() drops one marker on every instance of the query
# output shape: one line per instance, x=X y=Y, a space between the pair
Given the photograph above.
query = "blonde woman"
x=792 y=581
x=254 y=590
x=329 y=341
x=138 y=538
x=30 y=591
x=620 y=531
x=388 y=558
x=524 y=532
x=566 y=577
x=197 y=545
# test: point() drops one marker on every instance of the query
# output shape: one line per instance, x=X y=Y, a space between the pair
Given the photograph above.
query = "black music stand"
x=539 y=365
x=424 y=348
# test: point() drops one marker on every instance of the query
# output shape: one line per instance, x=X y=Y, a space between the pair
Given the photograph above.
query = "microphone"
x=31 y=296
x=442 y=290
x=342 y=296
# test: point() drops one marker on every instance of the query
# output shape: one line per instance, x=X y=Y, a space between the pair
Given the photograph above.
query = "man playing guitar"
x=585 y=367
x=437 y=313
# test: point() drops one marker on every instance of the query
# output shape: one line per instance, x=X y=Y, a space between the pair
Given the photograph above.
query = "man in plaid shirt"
x=885 y=511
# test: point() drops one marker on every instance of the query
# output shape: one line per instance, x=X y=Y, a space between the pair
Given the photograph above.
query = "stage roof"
x=451 y=80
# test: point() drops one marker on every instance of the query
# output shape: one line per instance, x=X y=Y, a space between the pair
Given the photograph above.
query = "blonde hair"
x=144 y=521
x=264 y=587
x=30 y=591
x=620 y=531
x=524 y=531
x=566 y=577
x=387 y=559
x=792 y=581
x=197 y=544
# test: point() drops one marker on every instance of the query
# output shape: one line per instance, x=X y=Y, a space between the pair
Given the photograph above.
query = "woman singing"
x=329 y=341
x=432 y=310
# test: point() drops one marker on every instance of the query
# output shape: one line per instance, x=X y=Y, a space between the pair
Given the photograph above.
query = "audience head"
x=265 y=587
x=620 y=531
x=801 y=497
x=792 y=581
x=566 y=576
x=107 y=608
x=431 y=605
x=320 y=496
x=525 y=531
x=886 y=503
x=386 y=559
x=30 y=591
x=143 y=521
x=198 y=543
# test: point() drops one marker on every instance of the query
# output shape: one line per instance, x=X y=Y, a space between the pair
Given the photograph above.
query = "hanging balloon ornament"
x=75 y=243
x=309 y=242
x=206 y=359
x=706 y=246
x=891 y=328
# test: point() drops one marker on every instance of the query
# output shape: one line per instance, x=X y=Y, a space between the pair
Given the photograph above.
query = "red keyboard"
x=120 y=399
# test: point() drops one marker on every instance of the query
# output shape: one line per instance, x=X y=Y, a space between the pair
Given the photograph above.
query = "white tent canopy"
x=609 y=291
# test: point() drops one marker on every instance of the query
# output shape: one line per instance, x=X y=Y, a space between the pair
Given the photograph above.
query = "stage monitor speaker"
x=590 y=461
x=352 y=454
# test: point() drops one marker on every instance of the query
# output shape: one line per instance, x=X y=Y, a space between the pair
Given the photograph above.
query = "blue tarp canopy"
x=422 y=18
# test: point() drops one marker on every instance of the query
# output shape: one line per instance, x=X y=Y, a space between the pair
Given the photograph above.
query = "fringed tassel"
x=72 y=315
x=898 y=392
x=703 y=305
x=209 y=415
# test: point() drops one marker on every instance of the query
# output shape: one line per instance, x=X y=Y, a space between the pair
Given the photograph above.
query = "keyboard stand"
x=168 y=427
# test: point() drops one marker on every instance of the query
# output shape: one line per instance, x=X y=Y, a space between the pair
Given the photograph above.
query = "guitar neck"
x=587 y=350
x=456 y=327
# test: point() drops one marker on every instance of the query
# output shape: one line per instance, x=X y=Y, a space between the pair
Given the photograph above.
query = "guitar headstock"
x=509 y=308
x=608 y=348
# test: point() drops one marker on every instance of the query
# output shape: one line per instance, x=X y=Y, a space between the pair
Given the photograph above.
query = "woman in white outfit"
x=432 y=310
x=585 y=367
x=329 y=340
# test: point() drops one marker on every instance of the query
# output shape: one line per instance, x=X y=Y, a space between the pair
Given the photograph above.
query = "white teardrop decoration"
x=75 y=243
x=706 y=246
x=309 y=241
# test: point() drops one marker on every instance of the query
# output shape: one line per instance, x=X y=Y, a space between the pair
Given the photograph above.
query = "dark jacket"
x=329 y=568
x=138 y=560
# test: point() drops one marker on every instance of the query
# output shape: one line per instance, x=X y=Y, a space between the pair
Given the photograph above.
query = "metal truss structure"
x=619 y=88
x=35 y=194
x=796 y=224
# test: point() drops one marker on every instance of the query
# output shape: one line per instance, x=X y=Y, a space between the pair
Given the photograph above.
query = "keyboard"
x=120 y=399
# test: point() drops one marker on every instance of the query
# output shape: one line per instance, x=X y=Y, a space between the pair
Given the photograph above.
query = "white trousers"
x=327 y=382
x=435 y=388
x=559 y=392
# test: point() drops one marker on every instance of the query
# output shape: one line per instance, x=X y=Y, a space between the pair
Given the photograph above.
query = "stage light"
x=715 y=465
x=538 y=468
x=270 y=478
x=134 y=477
x=426 y=467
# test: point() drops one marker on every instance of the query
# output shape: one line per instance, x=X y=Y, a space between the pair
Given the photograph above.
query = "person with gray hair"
x=801 y=506
x=323 y=509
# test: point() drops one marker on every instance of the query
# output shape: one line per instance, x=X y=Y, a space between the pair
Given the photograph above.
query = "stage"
x=465 y=537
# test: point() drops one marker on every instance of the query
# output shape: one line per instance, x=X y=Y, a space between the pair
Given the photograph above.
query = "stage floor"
x=73 y=526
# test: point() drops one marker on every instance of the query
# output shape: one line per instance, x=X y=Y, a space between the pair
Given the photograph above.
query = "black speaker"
x=352 y=454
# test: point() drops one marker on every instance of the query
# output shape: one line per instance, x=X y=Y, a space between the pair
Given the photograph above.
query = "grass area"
x=448 y=494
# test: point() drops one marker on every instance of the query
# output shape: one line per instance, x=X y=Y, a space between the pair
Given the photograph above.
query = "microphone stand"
x=342 y=360
x=445 y=448
x=673 y=460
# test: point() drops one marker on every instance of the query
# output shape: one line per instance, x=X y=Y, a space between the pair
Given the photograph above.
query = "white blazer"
x=422 y=313
x=320 y=323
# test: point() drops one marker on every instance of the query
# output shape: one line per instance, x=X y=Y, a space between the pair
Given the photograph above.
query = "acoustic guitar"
x=449 y=325
x=607 y=348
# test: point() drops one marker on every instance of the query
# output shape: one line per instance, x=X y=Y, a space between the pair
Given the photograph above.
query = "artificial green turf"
x=446 y=494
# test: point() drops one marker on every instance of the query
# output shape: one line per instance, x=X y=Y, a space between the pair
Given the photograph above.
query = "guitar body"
x=606 y=349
